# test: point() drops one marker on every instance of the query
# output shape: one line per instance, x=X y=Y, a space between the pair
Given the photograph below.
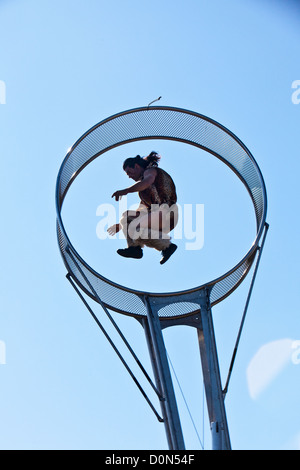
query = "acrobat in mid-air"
x=157 y=213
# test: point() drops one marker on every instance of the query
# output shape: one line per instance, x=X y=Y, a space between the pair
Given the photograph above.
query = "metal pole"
x=212 y=377
x=216 y=436
x=145 y=324
x=260 y=249
x=163 y=378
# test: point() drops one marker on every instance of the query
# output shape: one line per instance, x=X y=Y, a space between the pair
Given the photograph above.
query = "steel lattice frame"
x=166 y=123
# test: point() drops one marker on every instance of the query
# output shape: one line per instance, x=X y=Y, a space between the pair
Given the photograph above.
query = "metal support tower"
x=210 y=367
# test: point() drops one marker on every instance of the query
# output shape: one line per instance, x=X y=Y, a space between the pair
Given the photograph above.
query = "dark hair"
x=152 y=160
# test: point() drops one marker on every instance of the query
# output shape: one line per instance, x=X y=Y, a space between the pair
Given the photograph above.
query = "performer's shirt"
x=162 y=191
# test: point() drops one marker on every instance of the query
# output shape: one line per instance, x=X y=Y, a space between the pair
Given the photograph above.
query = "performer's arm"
x=149 y=178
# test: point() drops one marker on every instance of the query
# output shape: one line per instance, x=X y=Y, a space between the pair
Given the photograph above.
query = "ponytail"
x=152 y=161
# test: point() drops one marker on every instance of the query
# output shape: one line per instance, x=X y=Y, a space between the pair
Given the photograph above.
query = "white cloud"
x=293 y=444
x=267 y=363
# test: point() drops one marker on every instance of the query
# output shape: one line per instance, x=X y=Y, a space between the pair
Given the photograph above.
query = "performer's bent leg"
x=125 y=221
x=151 y=229
x=155 y=239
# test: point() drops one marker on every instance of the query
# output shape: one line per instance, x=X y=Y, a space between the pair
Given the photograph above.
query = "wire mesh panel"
x=165 y=123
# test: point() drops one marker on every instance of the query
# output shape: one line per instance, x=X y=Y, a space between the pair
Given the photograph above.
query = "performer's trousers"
x=150 y=228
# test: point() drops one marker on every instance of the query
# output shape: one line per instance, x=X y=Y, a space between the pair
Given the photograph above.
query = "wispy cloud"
x=267 y=363
x=293 y=444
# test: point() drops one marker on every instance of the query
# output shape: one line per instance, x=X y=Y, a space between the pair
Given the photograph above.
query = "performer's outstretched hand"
x=118 y=194
x=114 y=229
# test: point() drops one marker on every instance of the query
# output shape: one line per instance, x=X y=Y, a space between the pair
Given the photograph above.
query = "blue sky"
x=66 y=66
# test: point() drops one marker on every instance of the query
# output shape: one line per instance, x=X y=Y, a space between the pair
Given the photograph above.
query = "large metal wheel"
x=166 y=123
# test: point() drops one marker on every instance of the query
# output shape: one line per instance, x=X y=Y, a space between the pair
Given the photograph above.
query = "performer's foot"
x=168 y=252
x=131 y=252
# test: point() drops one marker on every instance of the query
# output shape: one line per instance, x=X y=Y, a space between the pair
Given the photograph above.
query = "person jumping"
x=157 y=213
